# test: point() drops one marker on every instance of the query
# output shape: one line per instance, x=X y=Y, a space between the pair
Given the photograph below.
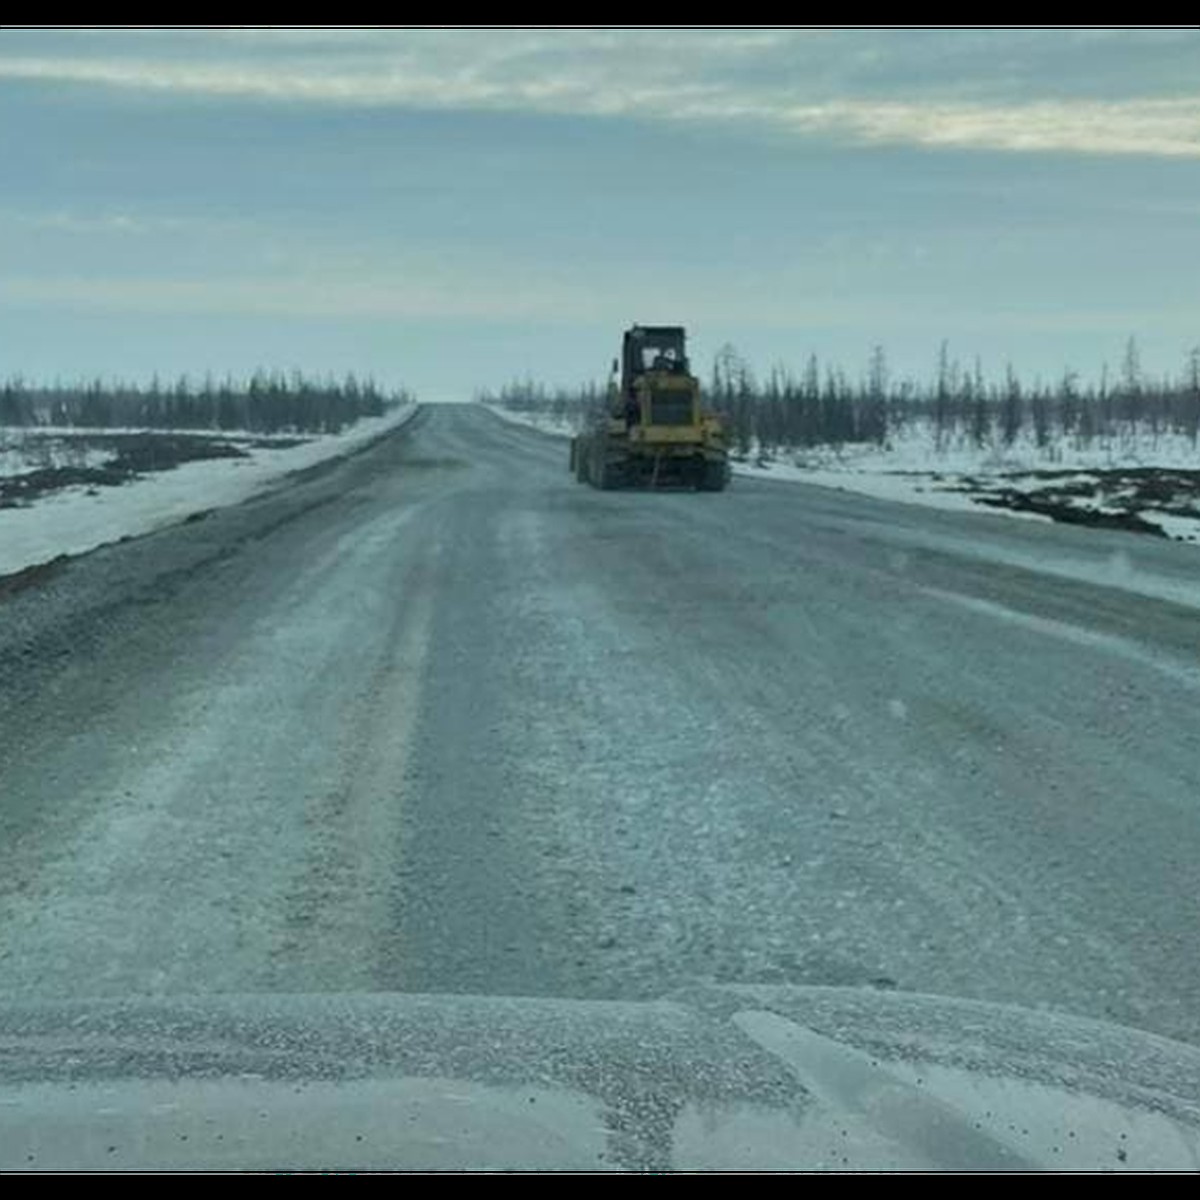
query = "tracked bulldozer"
x=653 y=430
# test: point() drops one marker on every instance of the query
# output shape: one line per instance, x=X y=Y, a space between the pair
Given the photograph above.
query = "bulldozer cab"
x=652 y=348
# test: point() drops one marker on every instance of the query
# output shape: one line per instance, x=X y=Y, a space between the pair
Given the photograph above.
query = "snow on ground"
x=75 y=520
x=1182 y=529
x=22 y=452
x=914 y=470
x=536 y=420
x=881 y=482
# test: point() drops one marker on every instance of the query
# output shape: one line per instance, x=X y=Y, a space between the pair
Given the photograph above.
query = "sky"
x=451 y=209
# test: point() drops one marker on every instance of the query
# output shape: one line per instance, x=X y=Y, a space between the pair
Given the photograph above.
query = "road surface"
x=435 y=718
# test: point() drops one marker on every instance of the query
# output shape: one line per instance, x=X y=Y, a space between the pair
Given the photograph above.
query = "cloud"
x=133 y=224
x=1169 y=128
x=914 y=88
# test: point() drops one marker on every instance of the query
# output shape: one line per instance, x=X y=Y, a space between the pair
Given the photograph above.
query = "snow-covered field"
x=961 y=477
x=24 y=450
x=74 y=520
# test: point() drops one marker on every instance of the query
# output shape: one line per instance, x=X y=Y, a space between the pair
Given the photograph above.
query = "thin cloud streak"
x=604 y=74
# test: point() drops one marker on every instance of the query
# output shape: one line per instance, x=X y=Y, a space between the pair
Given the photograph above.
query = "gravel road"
x=435 y=718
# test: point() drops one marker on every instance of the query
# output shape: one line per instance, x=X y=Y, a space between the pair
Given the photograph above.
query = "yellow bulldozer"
x=653 y=431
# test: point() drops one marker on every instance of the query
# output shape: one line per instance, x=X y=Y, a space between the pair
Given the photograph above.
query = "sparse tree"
x=1011 y=411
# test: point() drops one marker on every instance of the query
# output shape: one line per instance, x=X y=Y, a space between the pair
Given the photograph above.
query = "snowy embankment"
x=536 y=420
x=77 y=519
x=1151 y=485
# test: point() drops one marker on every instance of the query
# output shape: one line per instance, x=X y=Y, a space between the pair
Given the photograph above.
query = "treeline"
x=268 y=402
x=560 y=404
x=822 y=406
